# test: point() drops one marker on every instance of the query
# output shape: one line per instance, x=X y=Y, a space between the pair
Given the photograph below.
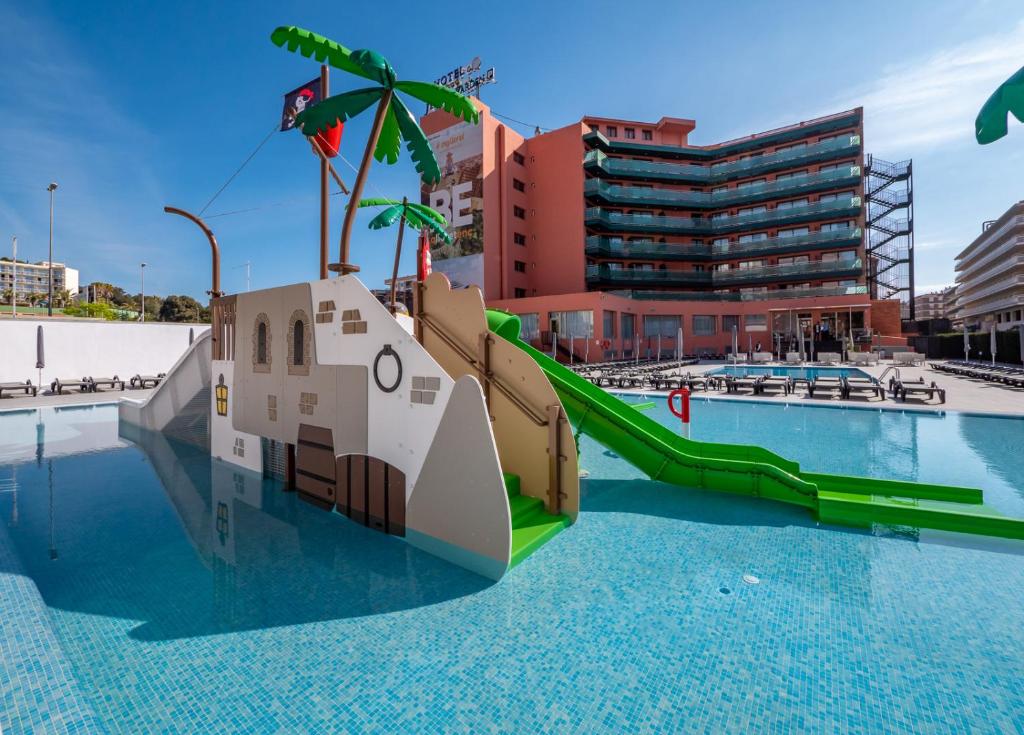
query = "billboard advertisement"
x=459 y=196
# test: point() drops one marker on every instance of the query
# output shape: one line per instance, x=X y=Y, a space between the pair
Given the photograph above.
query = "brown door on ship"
x=315 y=466
x=371 y=492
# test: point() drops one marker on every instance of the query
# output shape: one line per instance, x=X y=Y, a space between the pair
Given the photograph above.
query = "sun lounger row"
x=1006 y=374
x=87 y=384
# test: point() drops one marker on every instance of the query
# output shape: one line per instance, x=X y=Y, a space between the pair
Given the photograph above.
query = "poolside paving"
x=962 y=394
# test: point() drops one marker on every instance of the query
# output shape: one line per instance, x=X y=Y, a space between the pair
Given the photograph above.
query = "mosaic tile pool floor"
x=182 y=596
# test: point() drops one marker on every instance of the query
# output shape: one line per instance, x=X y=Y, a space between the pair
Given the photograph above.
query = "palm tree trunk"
x=398 y=255
x=344 y=266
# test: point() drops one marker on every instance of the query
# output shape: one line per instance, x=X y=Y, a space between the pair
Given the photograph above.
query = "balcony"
x=598 y=163
x=782 y=293
x=599 y=219
x=640 y=196
x=812 y=270
x=605 y=247
x=612 y=275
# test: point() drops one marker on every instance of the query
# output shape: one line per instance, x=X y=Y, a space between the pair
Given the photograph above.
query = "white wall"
x=76 y=348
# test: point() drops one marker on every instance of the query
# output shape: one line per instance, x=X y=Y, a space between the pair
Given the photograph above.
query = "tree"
x=393 y=122
x=180 y=309
x=418 y=216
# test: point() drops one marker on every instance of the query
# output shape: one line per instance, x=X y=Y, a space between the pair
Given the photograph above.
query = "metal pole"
x=215 y=291
x=14 y=278
x=49 y=286
x=398 y=255
x=142 y=300
x=324 y=184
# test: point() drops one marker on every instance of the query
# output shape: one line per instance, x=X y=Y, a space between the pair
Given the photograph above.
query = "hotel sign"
x=467 y=79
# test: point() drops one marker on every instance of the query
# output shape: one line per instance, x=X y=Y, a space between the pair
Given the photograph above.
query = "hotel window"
x=754 y=237
x=520 y=266
x=729 y=321
x=826 y=138
x=790 y=175
x=747 y=264
x=518 y=212
x=753 y=210
x=627 y=323
x=574 y=323
x=630 y=133
x=529 y=327
x=519 y=238
x=795 y=232
x=828 y=167
x=664 y=326
x=756 y=320
x=755 y=289
x=719 y=215
x=794 y=259
x=608 y=325
x=519 y=158
x=595 y=128
x=792 y=203
x=717 y=189
x=835 y=196
x=518 y=185
x=648 y=135
x=836 y=226
x=520 y=293
x=611 y=131
x=792 y=147
x=703 y=325
x=721 y=267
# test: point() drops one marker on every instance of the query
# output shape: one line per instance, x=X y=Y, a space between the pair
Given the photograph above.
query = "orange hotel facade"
x=612 y=235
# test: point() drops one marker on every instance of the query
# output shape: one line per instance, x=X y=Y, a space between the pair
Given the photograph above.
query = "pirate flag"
x=302 y=98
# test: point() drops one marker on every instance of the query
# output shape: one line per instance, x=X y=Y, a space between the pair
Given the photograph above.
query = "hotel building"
x=990 y=274
x=31 y=278
x=936 y=305
x=614 y=235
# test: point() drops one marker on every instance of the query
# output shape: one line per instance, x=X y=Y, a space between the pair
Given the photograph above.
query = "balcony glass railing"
x=817 y=269
x=841 y=147
x=610 y=247
x=781 y=293
x=598 y=217
x=612 y=274
x=638 y=195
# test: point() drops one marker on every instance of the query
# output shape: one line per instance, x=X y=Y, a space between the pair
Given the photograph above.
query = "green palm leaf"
x=441 y=97
x=386 y=218
x=417 y=216
x=1008 y=98
x=336 y=109
x=322 y=49
x=415 y=142
x=418 y=222
x=389 y=144
x=377 y=202
x=374 y=66
x=429 y=213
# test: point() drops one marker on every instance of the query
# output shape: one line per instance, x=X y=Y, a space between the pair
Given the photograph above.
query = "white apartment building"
x=936 y=305
x=32 y=279
x=990 y=274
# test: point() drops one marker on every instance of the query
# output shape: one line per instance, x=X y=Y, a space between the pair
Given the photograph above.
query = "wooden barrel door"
x=315 y=466
x=371 y=492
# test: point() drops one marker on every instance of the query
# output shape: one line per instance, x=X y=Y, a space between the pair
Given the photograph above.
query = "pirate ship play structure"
x=443 y=427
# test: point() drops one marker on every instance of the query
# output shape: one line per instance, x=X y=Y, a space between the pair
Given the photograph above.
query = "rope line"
x=239 y=169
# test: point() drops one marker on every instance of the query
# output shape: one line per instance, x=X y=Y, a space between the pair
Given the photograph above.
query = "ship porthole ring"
x=387 y=351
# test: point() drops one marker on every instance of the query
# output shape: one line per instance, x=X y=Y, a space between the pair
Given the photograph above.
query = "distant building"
x=936 y=305
x=990 y=273
x=32 y=278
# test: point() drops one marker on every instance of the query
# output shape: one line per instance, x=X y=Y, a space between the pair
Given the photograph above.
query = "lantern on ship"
x=221 y=394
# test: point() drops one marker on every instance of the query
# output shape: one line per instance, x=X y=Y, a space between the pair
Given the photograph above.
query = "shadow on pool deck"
x=206 y=549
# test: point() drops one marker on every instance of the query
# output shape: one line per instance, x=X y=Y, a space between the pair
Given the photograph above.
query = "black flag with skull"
x=298 y=100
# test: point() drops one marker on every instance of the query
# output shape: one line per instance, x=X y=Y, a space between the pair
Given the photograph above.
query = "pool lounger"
x=26 y=387
x=869 y=386
x=825 y=385
x=142 y=381
x=734 y=383
x=775 y=381
x=901 y=390
x=84 y=385
x=111 y=383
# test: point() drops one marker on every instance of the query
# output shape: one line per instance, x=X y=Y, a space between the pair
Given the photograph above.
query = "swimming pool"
x=791 y=371
x=145 y=588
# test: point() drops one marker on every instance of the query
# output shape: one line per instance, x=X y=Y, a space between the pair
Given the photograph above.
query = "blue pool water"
x=793 y=372
x=144 y=588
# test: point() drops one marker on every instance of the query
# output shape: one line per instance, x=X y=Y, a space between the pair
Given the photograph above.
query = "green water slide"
x=748 y=470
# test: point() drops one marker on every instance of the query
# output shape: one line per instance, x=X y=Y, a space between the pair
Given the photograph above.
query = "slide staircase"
x=748 y=470
x=532 y=526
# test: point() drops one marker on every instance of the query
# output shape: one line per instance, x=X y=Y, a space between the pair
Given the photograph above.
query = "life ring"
x=606 y=344
x=387 y=351
x=684 y=409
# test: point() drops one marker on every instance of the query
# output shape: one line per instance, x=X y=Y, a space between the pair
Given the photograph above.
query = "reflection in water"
x=999 y=442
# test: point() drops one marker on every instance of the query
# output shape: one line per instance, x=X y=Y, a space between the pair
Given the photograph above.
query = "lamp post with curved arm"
x=215 y=291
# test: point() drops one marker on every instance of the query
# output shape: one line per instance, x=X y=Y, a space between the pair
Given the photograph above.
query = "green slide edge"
x=754 y=471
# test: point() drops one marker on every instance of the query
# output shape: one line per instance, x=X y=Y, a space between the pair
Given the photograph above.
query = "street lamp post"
x=14 y=277
x=49 y=286
x=142 y=299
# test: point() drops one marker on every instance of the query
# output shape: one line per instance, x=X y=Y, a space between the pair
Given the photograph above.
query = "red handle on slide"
x=684 y=410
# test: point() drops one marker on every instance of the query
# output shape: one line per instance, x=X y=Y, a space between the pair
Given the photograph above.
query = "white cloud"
x=933 y=100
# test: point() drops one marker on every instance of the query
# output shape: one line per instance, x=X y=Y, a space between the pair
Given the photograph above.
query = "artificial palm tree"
x=393 y=123
x=1008 y=98
x=418 y=216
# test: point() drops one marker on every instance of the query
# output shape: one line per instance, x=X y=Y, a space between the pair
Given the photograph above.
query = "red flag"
x=423 y=264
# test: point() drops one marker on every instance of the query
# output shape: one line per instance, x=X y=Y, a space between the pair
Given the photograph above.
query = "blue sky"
x=130 y=108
